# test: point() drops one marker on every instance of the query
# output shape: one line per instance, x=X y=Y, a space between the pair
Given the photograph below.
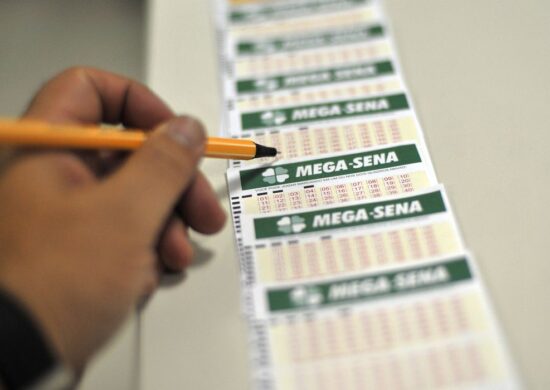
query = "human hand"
x=79 y=251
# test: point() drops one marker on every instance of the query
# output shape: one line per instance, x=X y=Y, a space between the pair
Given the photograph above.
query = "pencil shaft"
x=31 y=133
x=235 y=149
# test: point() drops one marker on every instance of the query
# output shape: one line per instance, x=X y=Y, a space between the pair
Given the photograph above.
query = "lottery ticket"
x=320 y=140
x=319 y=242
x=407 y=178
x=343 y=111
x=348 y=90
x=419 y=327
x=309 y=60
x=347 y=217
x=348 y=251
x=270 y=11
x=290 y=83
x=389 y=282
x=354 y=273
x=391 y=159
x=254 y=47
x=235 y=23
x=304 y=23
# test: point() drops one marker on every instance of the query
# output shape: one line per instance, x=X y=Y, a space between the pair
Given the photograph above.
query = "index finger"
x=89 y=96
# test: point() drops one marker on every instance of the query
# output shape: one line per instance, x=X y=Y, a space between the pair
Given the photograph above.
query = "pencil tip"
x=265 y=151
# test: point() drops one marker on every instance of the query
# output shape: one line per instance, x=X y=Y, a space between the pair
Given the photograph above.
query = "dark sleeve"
x=25 y=356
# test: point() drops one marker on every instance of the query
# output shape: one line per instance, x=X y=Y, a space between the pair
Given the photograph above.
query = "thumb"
x=156 y=175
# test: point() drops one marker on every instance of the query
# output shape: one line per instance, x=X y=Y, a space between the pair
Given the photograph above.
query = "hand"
x=80 y=251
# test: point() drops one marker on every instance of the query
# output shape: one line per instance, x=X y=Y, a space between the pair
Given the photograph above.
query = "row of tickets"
x=354 y=274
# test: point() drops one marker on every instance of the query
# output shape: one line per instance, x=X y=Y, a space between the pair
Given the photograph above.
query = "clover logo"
x=306 y=296
x=290 y=225
x=277 y=175
x=266 y=85
x=265 y=47
x=273 y=118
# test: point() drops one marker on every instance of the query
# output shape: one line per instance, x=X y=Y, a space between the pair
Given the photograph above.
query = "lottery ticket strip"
x=353 y=270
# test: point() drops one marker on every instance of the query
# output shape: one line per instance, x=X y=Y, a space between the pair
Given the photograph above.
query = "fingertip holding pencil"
x=42 y=134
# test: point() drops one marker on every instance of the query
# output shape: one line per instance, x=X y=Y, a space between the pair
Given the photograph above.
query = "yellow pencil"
x=26 y=132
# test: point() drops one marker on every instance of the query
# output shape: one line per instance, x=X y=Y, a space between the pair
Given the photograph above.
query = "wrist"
x=26 y=357
x=33 y=297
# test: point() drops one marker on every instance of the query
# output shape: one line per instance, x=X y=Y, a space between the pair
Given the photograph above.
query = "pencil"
x=32 y=133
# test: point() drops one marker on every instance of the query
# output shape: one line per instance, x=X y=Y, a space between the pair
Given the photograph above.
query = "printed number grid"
x=308 y=96
x=358 y=251
x=321 y=140
x=431 y=343
x=309 y=23
x=329 y=193
x=310 y=60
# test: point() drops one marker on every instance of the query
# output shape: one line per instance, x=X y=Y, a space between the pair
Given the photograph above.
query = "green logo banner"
x=375 y=286
x=256 y=14
x=345 y=217
x=329 y=167
x=324 y=111
x=301 y=80
x=341 y=37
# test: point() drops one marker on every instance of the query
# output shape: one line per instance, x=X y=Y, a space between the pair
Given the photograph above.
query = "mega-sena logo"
x=306 y=296
x=291 y=225
x=265 y=48
x=276 y=175
x=266 y=85
x=273 y=118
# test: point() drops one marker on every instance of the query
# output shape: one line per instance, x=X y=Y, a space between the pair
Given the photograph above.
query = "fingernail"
x=187 y=132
